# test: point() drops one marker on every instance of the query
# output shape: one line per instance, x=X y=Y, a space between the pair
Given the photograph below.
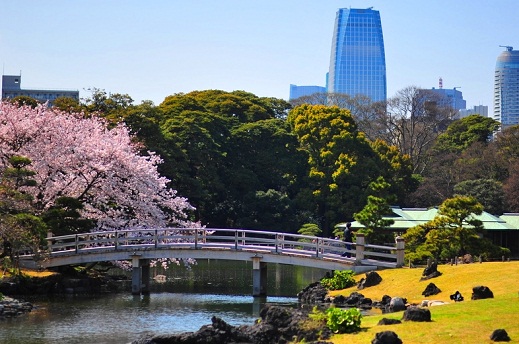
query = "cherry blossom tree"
x=78 y=156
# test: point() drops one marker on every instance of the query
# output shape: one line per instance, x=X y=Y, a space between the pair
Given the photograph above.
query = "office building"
x=11 y=88
x=449 y=98
x=477 y=110
x=357 y=61
x=301 y=91
x=506 y=88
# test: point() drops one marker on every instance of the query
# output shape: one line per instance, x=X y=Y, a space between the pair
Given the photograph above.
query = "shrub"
x=343 y=320
x=340 y=280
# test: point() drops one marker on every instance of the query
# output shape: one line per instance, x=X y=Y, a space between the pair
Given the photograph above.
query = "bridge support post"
x=359 y=247
x=145 y=276
x=140 y=275
x=259 y=277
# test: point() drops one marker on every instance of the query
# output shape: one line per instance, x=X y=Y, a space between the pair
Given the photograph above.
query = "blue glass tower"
x=358 y=62
x=506 y=88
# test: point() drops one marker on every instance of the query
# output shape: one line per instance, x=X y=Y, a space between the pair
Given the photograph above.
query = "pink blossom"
x=78 y=156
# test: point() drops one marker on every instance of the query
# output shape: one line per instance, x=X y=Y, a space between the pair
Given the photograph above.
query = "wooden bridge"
x=261 y=247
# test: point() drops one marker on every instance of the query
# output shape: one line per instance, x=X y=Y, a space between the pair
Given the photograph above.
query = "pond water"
x=186 y=300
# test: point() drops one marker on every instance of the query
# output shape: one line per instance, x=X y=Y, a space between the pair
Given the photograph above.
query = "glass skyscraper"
x=358 y=62
x=506 y=88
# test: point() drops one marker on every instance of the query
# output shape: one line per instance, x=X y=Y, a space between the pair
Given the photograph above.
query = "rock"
x=277 y=325
x=386 y=321
x=456 y=297
x=417 y=314
x=372 y=278
x=10 y=307
x=431 y=289
x=386 y=337
x=481 y=292
x=354 y=300
x=500 y=335
x=433 y=303
x=397 y=304
x=430 y=272
x=313 y=293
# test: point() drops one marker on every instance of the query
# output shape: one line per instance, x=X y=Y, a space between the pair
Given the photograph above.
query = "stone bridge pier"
x=140 y=275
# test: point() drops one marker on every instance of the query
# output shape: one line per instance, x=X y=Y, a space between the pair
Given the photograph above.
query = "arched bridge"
x=261 y=247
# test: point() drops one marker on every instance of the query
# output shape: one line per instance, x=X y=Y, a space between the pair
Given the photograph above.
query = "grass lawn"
x=466 y=322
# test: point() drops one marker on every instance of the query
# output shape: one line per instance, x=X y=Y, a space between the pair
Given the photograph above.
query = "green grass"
x=466 y=322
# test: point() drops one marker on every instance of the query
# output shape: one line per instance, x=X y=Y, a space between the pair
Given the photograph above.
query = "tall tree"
x=412 y=121
x=341 y=160
x=374 y=214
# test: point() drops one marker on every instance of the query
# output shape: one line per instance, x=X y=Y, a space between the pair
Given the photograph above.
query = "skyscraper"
x=358 y=62
x=506 y=88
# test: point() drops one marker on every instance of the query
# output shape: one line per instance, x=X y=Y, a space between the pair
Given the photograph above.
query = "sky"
x=155 y=48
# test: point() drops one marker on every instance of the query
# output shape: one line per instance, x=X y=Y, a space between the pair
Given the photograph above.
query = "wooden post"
x=259 y=277
x=400 y=245
x=359 y=247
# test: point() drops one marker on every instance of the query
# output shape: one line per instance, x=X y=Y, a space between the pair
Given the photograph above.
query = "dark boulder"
x=500 y=335
x=456 y=297
x=431 y=289
x=372 y=278
x=417 y=314
x=387 y=321
x=397 y=304
x=430 y=272
x=313 y=293
x=386 y=337
x=354 y=300
x=277 y=325
x=481 y=292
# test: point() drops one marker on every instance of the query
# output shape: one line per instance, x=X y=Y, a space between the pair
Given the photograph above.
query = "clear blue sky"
x=155 y=48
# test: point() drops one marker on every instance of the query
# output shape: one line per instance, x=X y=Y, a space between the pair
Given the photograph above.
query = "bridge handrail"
x=216 y=238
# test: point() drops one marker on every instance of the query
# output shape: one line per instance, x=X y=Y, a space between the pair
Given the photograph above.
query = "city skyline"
x=155 y=49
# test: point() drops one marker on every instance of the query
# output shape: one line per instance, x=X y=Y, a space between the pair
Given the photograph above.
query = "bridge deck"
x=232 y=244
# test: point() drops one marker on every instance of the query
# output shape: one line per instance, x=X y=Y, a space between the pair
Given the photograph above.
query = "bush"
x=340 y=280
x=343 y=320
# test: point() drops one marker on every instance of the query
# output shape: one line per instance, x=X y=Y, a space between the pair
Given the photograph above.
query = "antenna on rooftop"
x=508 y=48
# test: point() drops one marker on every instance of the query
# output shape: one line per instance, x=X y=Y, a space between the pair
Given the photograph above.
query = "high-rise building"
x=300 y=91
x=11 y=88
x=506 y=88
x=358 y=62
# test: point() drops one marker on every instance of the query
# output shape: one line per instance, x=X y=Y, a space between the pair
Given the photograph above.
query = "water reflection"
x=186 y=300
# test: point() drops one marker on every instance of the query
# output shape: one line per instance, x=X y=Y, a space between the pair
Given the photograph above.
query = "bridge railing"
x=224 y=239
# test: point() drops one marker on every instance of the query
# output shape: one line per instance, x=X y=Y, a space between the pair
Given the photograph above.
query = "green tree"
x=488 y=192
x=373 y=215
x=67 y=104
x=462 y=133
x=454 y=231
x=20 y=228
x=64 y=218
x=311 y=229
x=340 y=158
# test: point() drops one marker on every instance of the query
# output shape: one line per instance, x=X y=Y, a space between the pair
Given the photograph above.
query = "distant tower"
x=506 y=88
x=358 y=62
x=440 y=83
